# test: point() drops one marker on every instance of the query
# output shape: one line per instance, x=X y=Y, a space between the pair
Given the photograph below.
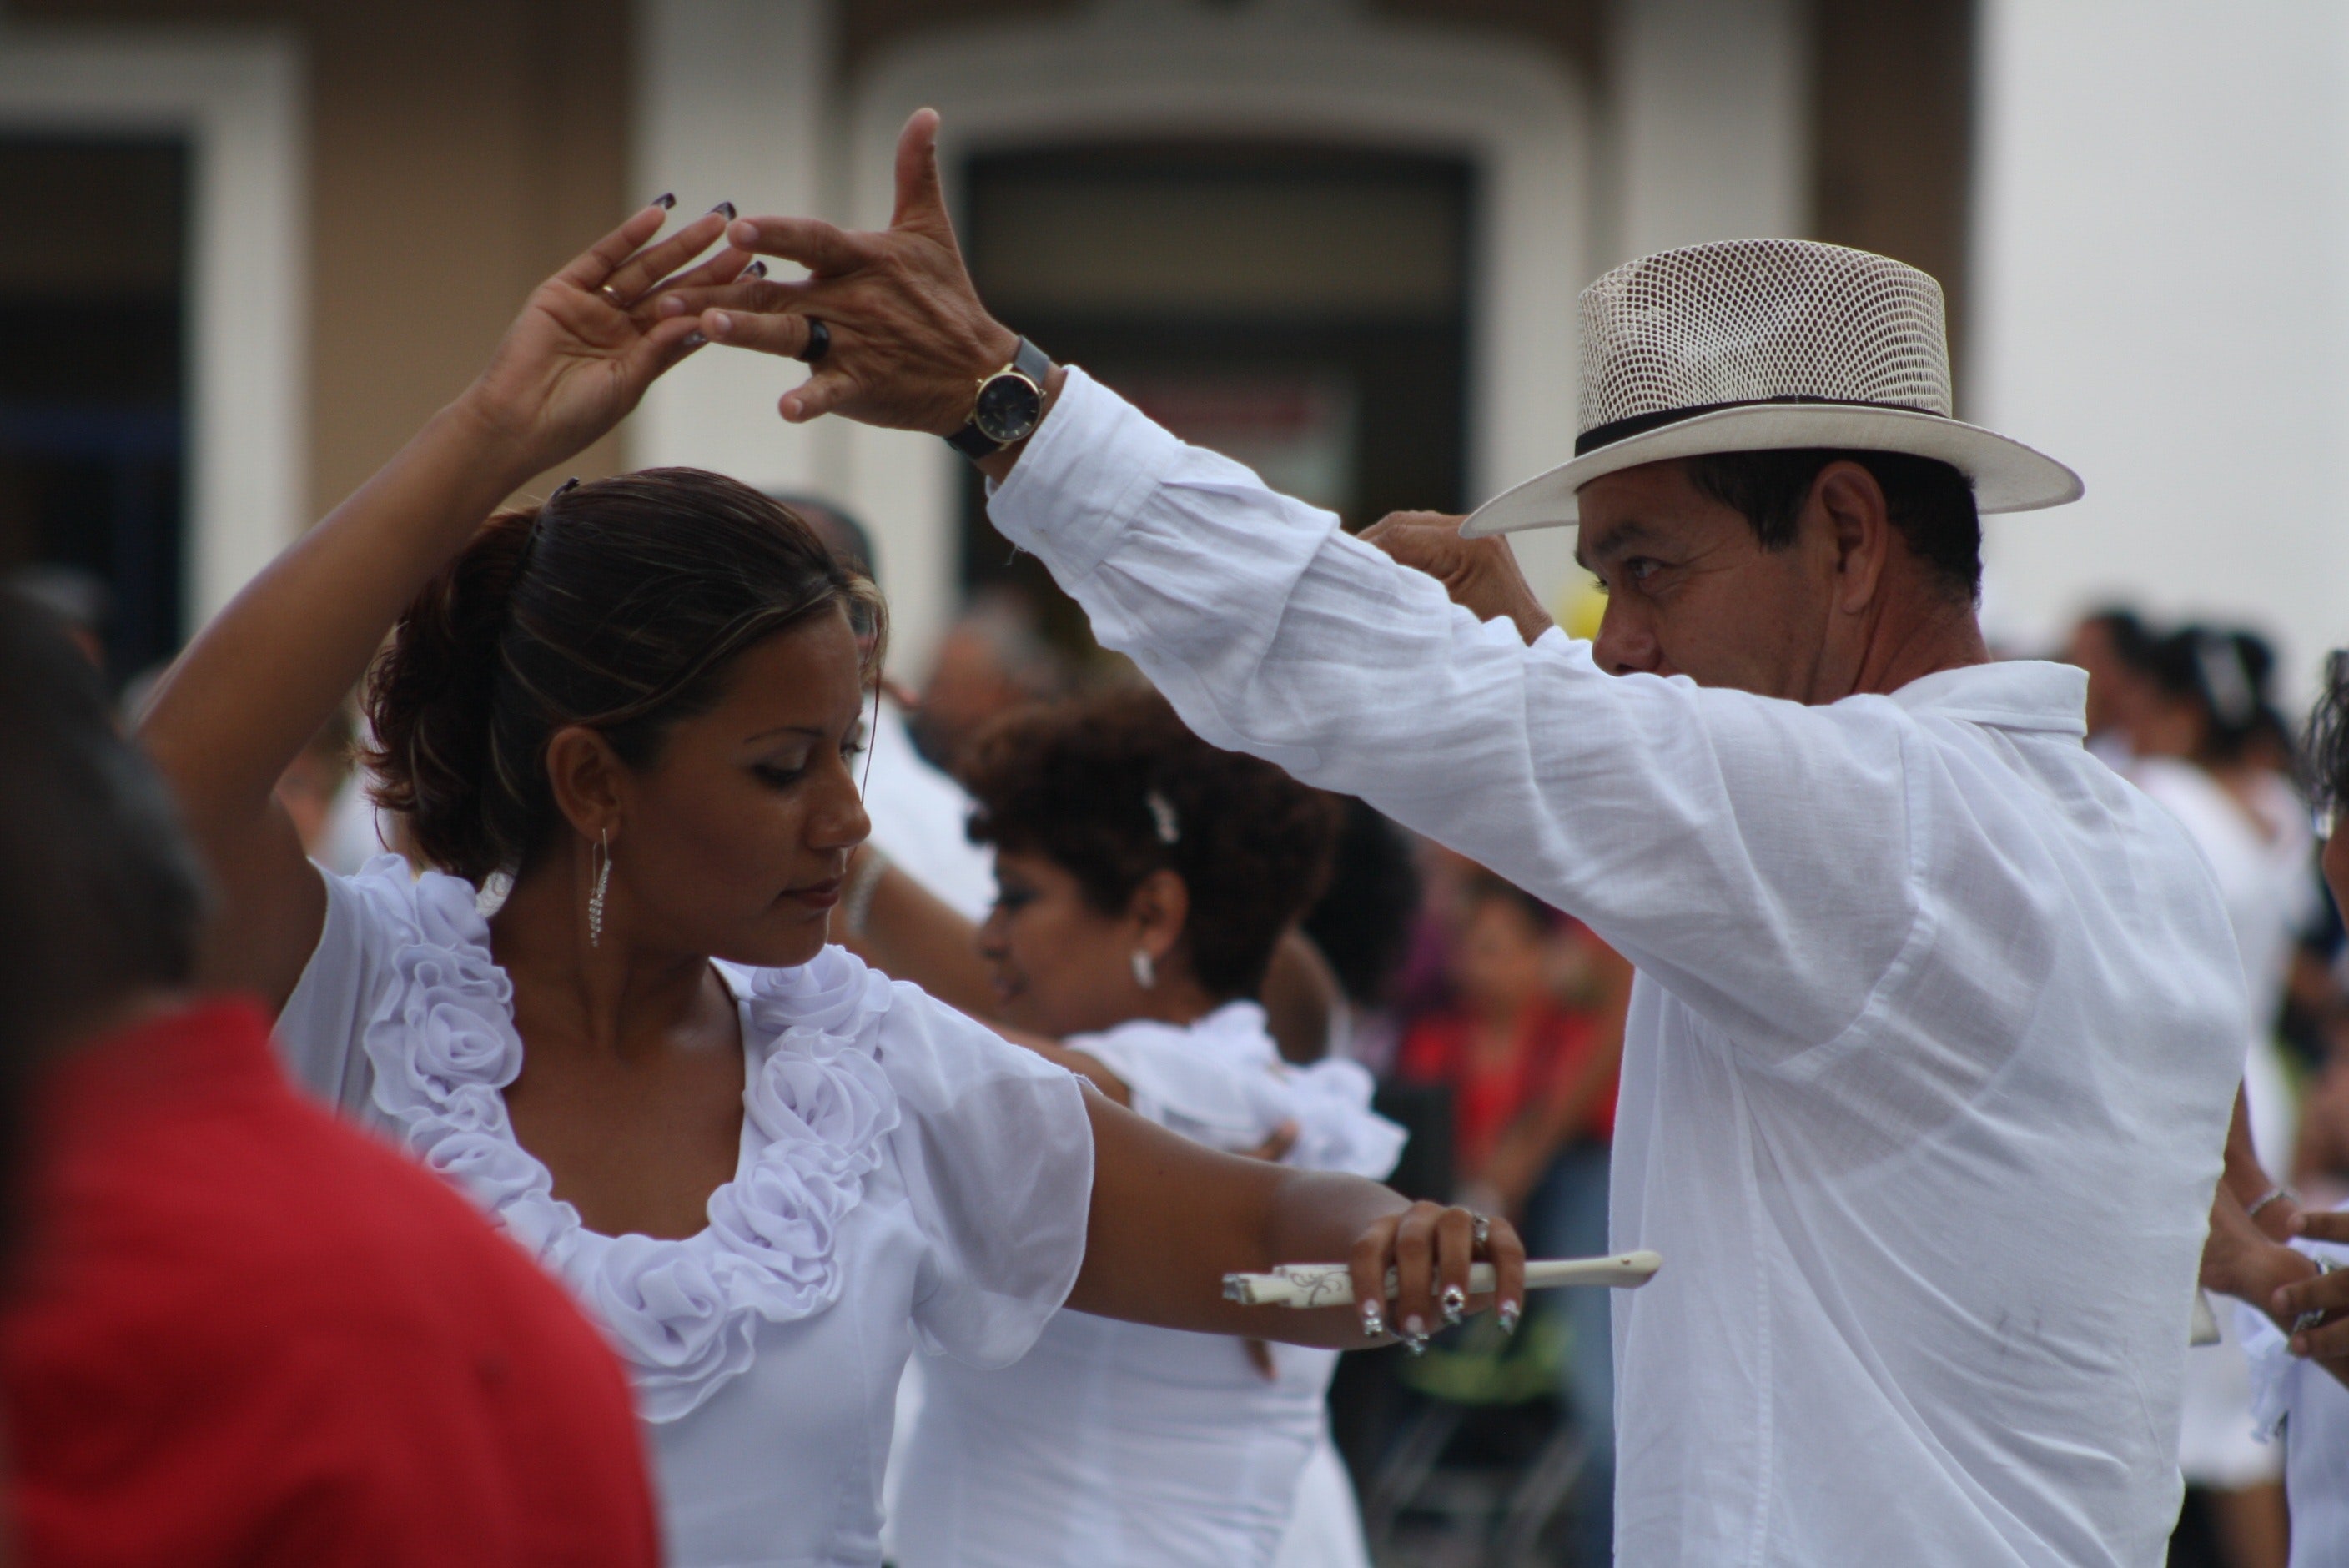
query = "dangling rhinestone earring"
x=602 y=855
x=1145 y=972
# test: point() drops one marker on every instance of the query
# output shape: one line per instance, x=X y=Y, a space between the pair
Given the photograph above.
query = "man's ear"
x=588 y=779
x=1851 y=505
x=1162 y=906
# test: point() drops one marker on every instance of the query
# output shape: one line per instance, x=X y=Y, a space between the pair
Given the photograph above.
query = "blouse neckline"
x=682 y=1313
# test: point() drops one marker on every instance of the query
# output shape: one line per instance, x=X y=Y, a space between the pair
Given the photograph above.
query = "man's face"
x=1691 y=590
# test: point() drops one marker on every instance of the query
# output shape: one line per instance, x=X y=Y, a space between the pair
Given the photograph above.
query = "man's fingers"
x=2325 y=1342
x=819 y=246
x=757 y=297
x=778 y=333
x=817 y=396
x=921 y=199
x=2323 y=1225
x=2318 y=1292
x=592 y=266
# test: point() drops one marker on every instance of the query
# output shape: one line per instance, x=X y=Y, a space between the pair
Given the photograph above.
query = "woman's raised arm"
x=260 y=679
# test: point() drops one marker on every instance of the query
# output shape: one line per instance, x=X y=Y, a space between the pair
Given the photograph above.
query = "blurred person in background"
x=622 y=723
x=1145 y=881
x=1529 y=1047
x=992 y=659
x=238 y=1331
x=315 y=782
x=1362 y=925
x=2198 y=735
x=2289 y=1267
x=2113 y=646
x=79 y=602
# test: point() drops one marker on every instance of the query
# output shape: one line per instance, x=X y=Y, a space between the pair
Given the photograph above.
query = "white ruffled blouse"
x=1117 y=1442
x=907 y=1176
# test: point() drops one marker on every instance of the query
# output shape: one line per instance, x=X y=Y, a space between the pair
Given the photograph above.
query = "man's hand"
x=1479 y=573
x=909 y=339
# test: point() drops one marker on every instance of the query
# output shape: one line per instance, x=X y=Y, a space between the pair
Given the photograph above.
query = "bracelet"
x=2314 y=1316
x=2273 y=1195
x=856 y=902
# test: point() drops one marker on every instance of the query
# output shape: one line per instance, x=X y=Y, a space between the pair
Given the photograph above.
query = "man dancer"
x=1930 y=1062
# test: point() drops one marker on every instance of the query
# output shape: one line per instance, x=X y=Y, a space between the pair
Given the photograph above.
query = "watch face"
x=1008 y=407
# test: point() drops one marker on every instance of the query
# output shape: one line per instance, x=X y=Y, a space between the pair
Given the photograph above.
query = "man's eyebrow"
x=1619 y=539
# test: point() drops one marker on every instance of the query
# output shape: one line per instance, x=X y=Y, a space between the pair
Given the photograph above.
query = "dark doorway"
x=1302 y=309
x=92 y=279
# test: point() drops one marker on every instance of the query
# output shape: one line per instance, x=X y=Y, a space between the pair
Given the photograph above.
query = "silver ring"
x=1481 y=1229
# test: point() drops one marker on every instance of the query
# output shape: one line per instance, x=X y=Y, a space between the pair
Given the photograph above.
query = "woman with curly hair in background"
x=1144 y=880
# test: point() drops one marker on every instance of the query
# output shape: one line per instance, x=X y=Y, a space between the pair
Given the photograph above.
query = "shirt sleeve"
x=997 y=1152
x=1186 y=1090
x=318 y=1028
x=1753 y=855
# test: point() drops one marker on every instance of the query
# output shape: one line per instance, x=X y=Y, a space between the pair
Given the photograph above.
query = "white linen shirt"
x=1931 y=1057
x=907 y=1177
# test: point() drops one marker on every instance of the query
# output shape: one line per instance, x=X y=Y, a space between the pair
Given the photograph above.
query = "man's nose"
x=1626 y=643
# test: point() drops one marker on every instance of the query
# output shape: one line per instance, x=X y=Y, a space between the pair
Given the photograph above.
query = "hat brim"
x=2007 y=475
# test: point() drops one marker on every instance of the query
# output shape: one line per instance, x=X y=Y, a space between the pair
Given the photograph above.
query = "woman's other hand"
x=578 y=358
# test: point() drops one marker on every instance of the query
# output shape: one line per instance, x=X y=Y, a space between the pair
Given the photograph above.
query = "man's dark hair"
x=99 y=894
x=1931 y=504
x=2324 y=749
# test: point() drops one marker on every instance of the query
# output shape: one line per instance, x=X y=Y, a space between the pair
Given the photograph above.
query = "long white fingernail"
x=1454 y=1301
x=1374 y=1322
x=1507 y=1315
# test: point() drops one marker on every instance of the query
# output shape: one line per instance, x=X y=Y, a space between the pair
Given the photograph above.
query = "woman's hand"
x=586 y=344
x=1430 y=1247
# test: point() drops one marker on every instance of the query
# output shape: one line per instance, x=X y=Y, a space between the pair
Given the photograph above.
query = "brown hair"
x=620 y=605
x=1111 y=787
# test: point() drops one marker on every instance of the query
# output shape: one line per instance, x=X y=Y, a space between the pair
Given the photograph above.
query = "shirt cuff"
x=1087 y=466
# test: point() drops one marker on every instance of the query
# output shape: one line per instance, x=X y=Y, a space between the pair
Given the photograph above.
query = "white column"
x=1712 y=121
x=731 y=101
x=2162 y=301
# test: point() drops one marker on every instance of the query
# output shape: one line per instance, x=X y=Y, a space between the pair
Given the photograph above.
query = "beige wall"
x=461 y=151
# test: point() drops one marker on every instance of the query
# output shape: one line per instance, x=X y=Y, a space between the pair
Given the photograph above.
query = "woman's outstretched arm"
x=260 y=678
x=1170 y=1218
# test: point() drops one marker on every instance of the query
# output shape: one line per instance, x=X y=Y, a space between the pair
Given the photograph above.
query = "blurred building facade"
x=1339 y=238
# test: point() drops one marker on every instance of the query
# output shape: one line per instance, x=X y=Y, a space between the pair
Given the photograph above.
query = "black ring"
x=819 y=342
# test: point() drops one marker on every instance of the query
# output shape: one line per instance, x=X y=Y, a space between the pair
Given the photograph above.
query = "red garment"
x=1489 y=1094
x=241 y=1332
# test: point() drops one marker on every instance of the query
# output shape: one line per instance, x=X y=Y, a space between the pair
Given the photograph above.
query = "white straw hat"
x=1761 y=344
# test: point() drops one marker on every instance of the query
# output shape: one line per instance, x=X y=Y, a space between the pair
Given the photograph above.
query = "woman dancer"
x=764 y=1169
x=1144 y=878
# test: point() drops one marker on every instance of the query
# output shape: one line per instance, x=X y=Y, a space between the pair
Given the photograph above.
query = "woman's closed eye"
x=784 y=774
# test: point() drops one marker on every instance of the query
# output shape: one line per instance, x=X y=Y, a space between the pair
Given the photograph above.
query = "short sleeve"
x=996 y=1149
x=1184 y=1089
x=319 y=1026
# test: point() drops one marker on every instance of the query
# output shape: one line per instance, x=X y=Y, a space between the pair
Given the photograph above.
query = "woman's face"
x=735 y=842
x=1060 y=966
x=1498 y=963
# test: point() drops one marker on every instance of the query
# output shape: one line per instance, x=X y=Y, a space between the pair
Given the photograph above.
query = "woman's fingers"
x=594 y=266
x=2325 y=1342
x=718 y=272
x=1456 y=1249
x=635 y=277
x=1506 y=1252
x=1373 y=1252
x=1414 y=1263
x=2323 y=1224
x=819 y=246
x=661 y=348
x=754 y=295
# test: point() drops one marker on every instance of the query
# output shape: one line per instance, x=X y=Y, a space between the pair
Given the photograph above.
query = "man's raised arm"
x=1652 y=807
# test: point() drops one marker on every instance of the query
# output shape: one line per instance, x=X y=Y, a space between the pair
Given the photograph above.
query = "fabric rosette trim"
x=683 y=1313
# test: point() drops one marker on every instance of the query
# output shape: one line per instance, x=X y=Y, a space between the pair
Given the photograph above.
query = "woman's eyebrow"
x=815 y=730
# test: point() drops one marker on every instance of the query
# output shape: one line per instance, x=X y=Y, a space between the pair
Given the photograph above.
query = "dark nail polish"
x=755 y=270
x=664 y=200
x=727 y=208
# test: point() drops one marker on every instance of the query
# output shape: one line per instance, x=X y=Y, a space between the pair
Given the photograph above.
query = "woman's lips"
x=818 y=895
